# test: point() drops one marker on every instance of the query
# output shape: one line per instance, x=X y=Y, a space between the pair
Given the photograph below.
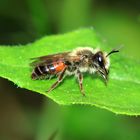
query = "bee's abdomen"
x=40 y=71
x=47 y=70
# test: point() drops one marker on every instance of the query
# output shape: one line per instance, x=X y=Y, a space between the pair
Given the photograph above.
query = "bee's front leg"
x=80 y=80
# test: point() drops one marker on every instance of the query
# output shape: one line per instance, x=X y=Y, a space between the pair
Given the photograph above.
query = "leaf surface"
x=121 y=95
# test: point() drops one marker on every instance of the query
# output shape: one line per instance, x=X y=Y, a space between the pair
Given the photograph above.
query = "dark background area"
x=25 y=115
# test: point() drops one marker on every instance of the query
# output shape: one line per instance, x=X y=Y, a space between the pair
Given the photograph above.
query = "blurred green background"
x=25 y=115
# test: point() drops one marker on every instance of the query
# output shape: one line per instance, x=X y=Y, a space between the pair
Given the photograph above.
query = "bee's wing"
x=48 y=59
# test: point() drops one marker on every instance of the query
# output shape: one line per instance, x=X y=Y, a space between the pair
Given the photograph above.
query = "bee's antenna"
x=115 y=50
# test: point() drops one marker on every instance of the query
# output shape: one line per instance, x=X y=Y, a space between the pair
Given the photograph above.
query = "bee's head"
x=101 y=62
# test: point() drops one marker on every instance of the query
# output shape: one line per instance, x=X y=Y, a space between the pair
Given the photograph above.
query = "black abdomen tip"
x=39 y=71
x=34 y=76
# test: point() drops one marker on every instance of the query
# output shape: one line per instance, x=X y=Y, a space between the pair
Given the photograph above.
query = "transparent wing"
x=48 y=59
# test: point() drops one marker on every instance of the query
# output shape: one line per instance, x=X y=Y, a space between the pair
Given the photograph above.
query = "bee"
x=75 y=62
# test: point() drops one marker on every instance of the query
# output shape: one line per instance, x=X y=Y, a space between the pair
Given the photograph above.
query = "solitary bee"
x=76 y=62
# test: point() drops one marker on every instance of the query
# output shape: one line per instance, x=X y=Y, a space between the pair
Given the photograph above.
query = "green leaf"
x=121 y=95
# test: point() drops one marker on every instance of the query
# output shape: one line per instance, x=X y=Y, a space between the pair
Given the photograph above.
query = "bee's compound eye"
x=100 y=59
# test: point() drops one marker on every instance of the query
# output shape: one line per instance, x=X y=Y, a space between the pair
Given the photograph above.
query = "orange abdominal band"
x=59 y=66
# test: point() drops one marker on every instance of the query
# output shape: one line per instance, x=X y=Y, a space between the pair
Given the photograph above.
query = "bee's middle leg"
x=60 y=78
x=80 y=80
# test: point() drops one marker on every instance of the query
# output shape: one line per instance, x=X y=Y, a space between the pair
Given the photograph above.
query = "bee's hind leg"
x=80 y=80
x=60 y=78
